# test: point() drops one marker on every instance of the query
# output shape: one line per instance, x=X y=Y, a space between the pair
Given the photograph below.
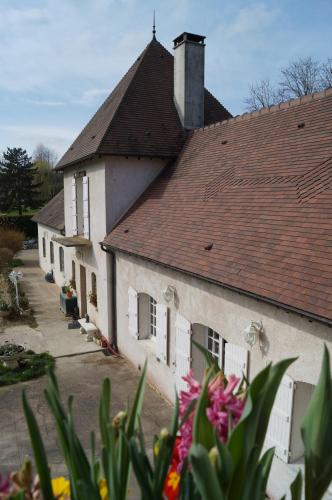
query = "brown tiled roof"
x=248 y=204
x=139 y=117
x=53 y=213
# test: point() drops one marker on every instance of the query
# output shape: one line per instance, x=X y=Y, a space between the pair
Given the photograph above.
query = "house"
x=188 y=224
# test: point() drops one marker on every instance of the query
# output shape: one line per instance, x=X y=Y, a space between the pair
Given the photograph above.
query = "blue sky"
x=59 y=59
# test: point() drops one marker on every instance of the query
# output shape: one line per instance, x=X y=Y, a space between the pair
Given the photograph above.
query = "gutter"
x=114 y=336
x=310 y=316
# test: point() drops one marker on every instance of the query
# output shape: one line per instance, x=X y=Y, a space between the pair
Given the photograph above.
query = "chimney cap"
x=188 y=37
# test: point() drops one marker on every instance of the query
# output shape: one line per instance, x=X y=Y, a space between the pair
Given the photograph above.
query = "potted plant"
x=68 y=301
x=72 y=283
x=4 y=309
x=67 y=291
x=10 y=354
x=93 y=298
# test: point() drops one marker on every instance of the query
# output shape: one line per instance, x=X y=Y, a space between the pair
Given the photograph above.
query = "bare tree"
x=51 y=180
x=301 y=77
x=44 y=154
x=262 y=95
x=326 y=76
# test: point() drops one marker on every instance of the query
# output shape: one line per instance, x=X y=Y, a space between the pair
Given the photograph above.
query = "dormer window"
x=80 y=205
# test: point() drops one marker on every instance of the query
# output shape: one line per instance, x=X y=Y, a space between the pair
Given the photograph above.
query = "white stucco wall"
x=227 y=312
x=115 y=183
x=45 y=262
x=126 y=180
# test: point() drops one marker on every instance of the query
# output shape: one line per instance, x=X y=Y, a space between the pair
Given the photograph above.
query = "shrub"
x=20 y=222
x=12 y=239
x=6 y=256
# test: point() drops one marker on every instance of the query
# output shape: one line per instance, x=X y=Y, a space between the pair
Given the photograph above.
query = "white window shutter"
x=279 y=429
x=161 y=332
x=236 y=360
x=86 y=214
x=74 y=206
x=182 y=351
x=133 y=312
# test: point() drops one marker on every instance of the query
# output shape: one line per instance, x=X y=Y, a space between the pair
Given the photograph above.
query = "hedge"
x=21 y=222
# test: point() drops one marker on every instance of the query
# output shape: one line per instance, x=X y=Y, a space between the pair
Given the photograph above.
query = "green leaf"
x=226 y=464
x=296 y=487
x=38 y=450
x=138 y=461
x=104 y=411
x=202 y=427
x=265 y=467
x=317 y=435
x=137 y=406
x=247 y=439
x=210 y=360
x=204 y=474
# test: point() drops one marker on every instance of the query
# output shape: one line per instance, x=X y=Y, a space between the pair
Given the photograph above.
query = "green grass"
x=14 y=213
x=17 y=263
x=29 y=367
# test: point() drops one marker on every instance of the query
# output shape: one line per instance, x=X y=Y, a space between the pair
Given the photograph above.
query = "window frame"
x=51 y=252
x=61 y=260
x=211 y=339
x=152 y=319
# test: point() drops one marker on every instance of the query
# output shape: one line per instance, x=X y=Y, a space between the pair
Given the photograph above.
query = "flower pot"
x=11 y=361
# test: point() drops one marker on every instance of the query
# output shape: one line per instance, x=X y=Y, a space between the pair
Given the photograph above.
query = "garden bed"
x=29 y=366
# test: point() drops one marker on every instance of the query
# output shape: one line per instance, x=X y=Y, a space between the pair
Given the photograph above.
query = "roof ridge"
x=272 y=109
x=138 y=63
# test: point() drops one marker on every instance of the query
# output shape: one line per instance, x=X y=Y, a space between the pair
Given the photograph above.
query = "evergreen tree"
x=18 y=189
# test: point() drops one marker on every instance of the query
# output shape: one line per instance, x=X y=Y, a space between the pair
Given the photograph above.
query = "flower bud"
x=164 y=433
x=119 y=419
x=213 y=455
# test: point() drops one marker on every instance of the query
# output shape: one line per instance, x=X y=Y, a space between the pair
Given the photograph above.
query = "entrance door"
x=83 y=308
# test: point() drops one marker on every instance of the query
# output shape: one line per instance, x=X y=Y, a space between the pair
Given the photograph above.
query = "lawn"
x=30 y=366
x=14 y=213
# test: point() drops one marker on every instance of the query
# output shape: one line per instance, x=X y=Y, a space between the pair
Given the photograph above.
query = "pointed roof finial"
x=154 y=25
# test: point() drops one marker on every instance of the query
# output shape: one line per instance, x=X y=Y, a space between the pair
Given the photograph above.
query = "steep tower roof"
x=139 y=117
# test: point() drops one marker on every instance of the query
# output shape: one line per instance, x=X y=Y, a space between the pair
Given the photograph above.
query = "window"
x=61 y=260
x=44 y=247
x=153 y=318
x=80 y=205
x=93 y=294
x=52 y=252
x=214 y=343
x=73 y=270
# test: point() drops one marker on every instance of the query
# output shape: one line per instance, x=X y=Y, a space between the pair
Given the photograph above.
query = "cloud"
x=27 y=137
x=91 y=96
x=41 y=102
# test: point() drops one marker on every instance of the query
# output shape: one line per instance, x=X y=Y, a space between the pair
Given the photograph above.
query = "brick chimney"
x=189 y=79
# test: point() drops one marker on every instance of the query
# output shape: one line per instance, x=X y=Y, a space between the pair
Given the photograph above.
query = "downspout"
x=113 y=340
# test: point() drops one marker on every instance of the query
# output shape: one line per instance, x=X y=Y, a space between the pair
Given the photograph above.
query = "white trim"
x=86 y=208
x=74 y=206
x=161 y=333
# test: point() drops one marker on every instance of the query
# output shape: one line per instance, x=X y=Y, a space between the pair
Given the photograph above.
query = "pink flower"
x=223 y=406
x=4 y=486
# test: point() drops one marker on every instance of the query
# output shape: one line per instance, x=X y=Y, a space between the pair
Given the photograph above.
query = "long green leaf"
x=296 y=487
x=210 y=360
x=247 y=439
x=317 y=436
x=38 y=450
x=205 y=476
x=202 y=427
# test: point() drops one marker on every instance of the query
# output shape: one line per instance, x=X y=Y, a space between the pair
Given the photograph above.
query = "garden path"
x=79 y=373
x=51 y=332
